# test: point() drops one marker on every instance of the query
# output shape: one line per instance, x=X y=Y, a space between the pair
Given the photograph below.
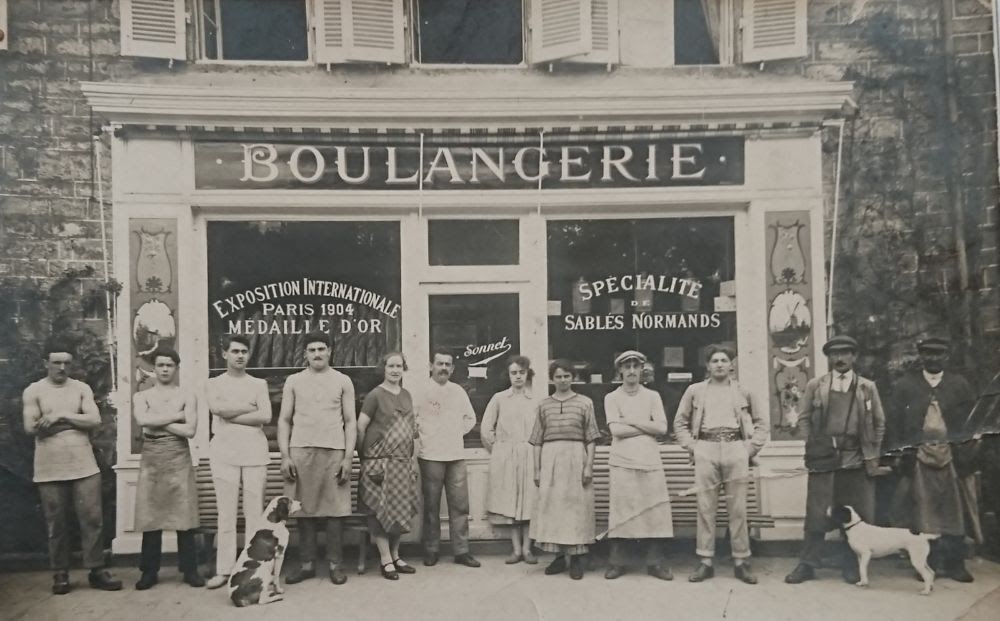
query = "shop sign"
x=442 y=166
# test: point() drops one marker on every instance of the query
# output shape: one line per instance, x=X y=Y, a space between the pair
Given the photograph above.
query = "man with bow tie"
x=928 y=429
x=843 y=425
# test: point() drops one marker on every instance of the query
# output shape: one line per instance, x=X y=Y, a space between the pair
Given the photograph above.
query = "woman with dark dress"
x=387 y=490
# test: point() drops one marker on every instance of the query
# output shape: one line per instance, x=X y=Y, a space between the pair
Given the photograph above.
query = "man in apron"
x=927 y=428
x=60 y=412
x=317 y=430
x=166 y=495
x=843 y=425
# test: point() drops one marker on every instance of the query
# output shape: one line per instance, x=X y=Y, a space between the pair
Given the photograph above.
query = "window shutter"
x=375 y=30
x=328 y=17
x=604 y=34
x=774 y=29
x=153 y=28
x=559 y=29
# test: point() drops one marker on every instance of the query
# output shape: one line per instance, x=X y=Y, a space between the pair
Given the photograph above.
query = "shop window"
x=473 y=242
x=468 y=32
x=482 y=331
x=664 y=287
x=276 y=281
x=268 y=30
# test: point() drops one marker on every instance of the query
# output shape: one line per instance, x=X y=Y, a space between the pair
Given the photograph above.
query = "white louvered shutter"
x=774 y=29
x=153 y=28
x=4 y=30
x=374 y=30
x=604 y=34
x=560 y=29
x=328 y=20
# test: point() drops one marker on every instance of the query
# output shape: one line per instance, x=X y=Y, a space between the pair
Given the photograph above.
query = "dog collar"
x=850 y=526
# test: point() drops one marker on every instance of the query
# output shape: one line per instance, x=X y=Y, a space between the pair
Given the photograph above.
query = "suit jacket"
x=872 y=428
x=691 y=412
x=911 y=396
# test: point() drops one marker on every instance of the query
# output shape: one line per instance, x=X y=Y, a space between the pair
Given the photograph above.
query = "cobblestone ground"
x=497 y=591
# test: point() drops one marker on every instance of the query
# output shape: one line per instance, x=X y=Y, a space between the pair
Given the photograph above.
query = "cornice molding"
x=697 y=101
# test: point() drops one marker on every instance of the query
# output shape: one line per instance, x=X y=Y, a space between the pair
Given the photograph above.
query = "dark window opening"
x=694 y=41
x=255 y=29
x=473 y=242
x=470 y=32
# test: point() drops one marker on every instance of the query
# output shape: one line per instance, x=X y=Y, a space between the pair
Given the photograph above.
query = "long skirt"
x=387 y=491
x=317 y=486
x=565 y=513
x=166 y=496
x=511 y=495
x=639 y=504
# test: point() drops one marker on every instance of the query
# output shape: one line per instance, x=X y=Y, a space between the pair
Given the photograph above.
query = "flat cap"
x=934 y=343
x=841 y=341
x=630 y=355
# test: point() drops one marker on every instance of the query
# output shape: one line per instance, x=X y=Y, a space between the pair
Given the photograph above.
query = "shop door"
x=481 y=330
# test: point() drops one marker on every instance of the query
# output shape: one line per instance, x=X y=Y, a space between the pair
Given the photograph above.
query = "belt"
x=158 y=436
x=721 y=434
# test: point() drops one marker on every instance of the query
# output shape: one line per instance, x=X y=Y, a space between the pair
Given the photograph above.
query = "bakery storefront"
x=574 y=221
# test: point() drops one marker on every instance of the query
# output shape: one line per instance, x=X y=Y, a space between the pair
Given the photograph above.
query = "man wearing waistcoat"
x=723 y=429
x=927 y=428
x=843 y=424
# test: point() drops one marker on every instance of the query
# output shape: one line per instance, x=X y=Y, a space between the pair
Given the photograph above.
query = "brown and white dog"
x=256 y=577
x=870 y=542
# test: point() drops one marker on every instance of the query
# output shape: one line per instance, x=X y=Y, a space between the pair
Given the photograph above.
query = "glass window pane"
x=694 y=43
x=645 y=284
x=481 y=331
x=469 y=32
x=473 y=242
x=276 y=281
x=264 y=30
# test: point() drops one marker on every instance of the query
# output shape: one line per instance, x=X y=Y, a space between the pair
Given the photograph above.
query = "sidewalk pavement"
x=498 y=592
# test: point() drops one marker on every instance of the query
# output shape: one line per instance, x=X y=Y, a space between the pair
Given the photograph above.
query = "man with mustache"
x=60 y=412
x=928 y=427
x=444 y=415
x=843 y=424
x=317 y=429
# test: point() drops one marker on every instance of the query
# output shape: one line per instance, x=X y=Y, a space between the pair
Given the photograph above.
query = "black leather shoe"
x=60 y=583
x=389 y=571
x=300 y=574
x=800 y=574
x=613 y=572
x=742 y=573
x=661 y=572
x=193 y=578
x=146 y=581
x=430 y=559
x=403 y=567
x=851 y=576
x=467 y=560
x=103 y=580
x=959 y=573
x=557 y=566
x=703 y=573
x=576 y=567
x=337 y=576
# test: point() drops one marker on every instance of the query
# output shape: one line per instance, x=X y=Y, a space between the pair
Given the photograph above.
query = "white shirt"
x=933 y=378
x=842 y=381
x=444 y=415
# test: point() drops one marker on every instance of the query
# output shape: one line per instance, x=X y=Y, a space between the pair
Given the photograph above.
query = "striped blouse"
x=572 y=419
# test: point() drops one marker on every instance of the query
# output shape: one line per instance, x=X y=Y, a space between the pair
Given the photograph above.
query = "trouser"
x=452 y=476
x=653 y=550
x=847 y=486
x=152 y=546
x=722 y=464
x=227 y=479
x=84 y=497
x=307 y=539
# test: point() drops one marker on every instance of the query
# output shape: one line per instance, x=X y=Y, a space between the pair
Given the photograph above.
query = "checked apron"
x=387 y=488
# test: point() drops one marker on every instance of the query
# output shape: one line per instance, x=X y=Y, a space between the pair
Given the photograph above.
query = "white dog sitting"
x=256 y=577
x=870 y=541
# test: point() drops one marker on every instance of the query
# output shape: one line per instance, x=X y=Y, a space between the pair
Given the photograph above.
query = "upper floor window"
x=639 y=33
x=254 y=30
x=468 y=32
